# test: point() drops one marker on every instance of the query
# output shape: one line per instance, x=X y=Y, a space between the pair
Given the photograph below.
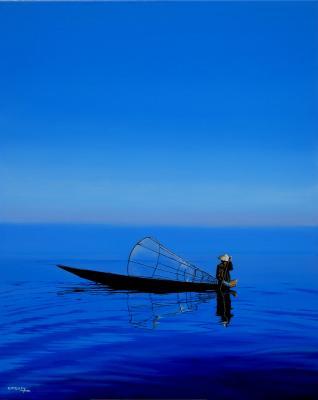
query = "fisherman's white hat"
x=224 y=257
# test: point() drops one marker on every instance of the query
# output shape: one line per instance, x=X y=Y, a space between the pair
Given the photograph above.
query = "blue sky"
x=159 y=113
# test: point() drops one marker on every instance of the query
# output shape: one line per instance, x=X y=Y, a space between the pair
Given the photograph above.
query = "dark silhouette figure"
x=223 y=272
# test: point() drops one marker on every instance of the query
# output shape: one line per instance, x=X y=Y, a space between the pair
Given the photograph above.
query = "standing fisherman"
x=223 y=271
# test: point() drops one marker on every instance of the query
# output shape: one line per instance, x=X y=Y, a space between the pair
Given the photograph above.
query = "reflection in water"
x=146 y=310
x=224 y=307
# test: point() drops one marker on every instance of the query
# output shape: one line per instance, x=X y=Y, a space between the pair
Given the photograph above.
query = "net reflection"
x=148 y=310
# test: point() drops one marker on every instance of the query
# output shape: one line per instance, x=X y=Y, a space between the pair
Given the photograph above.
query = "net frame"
x=166 y=265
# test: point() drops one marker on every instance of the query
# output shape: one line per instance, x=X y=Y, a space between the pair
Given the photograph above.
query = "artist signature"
x=21 y=389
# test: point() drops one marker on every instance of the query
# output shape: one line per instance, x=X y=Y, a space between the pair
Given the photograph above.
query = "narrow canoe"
x=119 y=281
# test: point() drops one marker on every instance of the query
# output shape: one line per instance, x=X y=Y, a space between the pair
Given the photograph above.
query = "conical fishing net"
x=150 y=259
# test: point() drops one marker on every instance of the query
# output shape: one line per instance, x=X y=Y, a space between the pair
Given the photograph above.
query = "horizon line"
x=112 y=225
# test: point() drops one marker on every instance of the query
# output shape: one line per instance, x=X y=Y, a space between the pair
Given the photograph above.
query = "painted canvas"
x=158 y=208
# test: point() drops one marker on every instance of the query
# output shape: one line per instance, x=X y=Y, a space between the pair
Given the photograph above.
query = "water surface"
x=67 y=338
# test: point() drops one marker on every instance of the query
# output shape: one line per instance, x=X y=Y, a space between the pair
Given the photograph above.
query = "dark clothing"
x=223 y=271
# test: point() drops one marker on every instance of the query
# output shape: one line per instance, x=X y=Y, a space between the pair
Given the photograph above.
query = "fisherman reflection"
x=224 y=307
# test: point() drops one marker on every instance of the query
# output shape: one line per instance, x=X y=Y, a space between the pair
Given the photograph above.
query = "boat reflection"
x=148 y=310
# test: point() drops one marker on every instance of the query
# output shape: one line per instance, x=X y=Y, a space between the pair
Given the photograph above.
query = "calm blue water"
x=66 y=338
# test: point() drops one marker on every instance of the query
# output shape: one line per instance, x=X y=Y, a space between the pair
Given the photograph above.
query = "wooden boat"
x=126 y=282
x=152 y=267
